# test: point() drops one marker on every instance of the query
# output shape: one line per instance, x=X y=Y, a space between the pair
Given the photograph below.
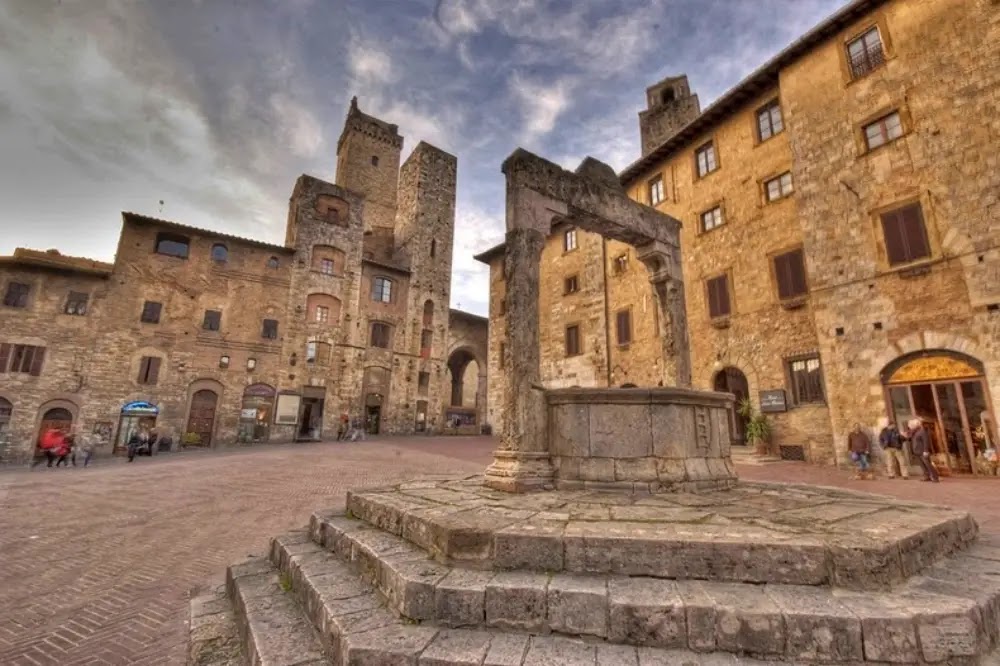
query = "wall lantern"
x=251 y=364
x=223 y=361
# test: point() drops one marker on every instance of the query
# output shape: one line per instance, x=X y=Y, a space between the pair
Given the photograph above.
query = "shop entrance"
x=134 y=416
x=58 y=419
x=732 y=380
x=256 y=413
x=311 y=419
x=201 y=418
x=947 y=392
x=373 y=413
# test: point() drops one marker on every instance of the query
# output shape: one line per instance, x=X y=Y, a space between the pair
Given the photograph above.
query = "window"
x=884 y=130
x=224 y=362
x=382 y=290
x=212 y=321
x=433 y=248
x=173 y=245
x=711 y=219
x=705 y=159
x=333 y=216
x=26 y=359
x=251 y=364
x=381 y=335
x=656 y=191
x=17 y=295
x=220 y=253
x=76 y=303
x=779 y=187
x=317 y=353
x=326 y=266
x=374 y=160
x=5 y=411
x=790 y=274
x=503 y=306
x=273 y=263
x=428 y=318
x=423 y=383
x=426 y=339
x=864 y=54
x=620 y=264
x=503 y=353
x=807 y=380
x=151 y=312
x=149 y=370
x=905 y=235
x=322 y=314
x=718 y=297
x=571 y=285
x=270 y=329
x=572 y=340
x=769 y=121
x=569 y=240
x=623 y=326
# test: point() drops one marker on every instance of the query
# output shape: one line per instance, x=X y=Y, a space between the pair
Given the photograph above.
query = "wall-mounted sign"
x=259 y=390
x=140 y=409
x=287 y=410
x=773 y=401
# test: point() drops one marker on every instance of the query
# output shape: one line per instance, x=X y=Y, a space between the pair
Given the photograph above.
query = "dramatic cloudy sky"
x=214 y=107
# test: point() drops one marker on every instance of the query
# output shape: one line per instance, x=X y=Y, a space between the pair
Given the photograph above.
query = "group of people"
x=893 y=441
x=57 y=445
x=350 y=431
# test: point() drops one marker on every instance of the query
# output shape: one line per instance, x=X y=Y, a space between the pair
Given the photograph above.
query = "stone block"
x=460 y=598
x=517 y=601
x=569 y=431
x=887 y=627
x=578 y=605
x=617 y=655
x=699 y=609
x=535 y=546
x=670 y=470
x=860 y=563
x=559 y=651
x=747 y=620
x=926 y=546
x=635 y=469
x=456 y=648
x=506 y=650
x=645 y=611
x=597 y=469
x=673 y=431
x=410 y=586
x=620 y=431
x=952 y=631
x=817 y=626
x=386 y=645
x=696 y=469
x=567 y=469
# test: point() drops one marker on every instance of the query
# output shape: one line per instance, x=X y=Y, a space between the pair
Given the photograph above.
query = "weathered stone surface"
x=570 y=431
x=533 y=545
x=619 y=655
x=517 y=601
x=673 y=428
x=887 y=627
x=620 y=431
x=645 y=611
x=410 y=586
x=456 y=648
x=386 y=646
x=558 y=651
x=747 y=621
x=460 y=598
x=700 y=615
x=817 y=627
x=578 y=605
x=506 y=650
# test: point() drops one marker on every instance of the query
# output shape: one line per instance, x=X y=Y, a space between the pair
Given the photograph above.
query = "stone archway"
x=56 y=414
x=461 y=362
x=733 y=380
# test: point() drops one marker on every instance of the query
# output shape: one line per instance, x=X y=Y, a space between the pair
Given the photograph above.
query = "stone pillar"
x=664 y=268
x=522 y=462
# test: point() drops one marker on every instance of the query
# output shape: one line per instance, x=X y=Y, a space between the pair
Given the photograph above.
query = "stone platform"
x=449 y=573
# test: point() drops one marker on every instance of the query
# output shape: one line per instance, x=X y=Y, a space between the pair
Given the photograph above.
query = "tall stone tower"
x=368 y=155
x=669 y=107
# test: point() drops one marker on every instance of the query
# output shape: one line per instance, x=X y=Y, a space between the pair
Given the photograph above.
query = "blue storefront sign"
x=140 y=408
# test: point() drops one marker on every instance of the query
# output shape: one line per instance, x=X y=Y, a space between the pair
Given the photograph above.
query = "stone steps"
x=214 y=636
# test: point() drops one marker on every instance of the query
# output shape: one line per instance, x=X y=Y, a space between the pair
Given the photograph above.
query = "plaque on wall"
x=287 y=410
x=773 y=401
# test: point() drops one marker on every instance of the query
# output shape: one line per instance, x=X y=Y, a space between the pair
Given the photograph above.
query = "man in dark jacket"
x=920 y=446
x=892 y=445
x=860 y=447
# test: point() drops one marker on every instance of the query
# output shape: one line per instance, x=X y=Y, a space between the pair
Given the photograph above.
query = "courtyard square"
x=99 y=563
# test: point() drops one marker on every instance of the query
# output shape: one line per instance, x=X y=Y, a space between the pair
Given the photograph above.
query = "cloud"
x=298 y=125
x=541 y=103
x=367 y=63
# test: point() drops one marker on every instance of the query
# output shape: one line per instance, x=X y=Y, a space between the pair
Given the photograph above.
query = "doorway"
x=311 y=419
x=947 y=392
x=58 y=419
x=732 y=380
x=373 y=419
x=134 y=416
x=201 y=418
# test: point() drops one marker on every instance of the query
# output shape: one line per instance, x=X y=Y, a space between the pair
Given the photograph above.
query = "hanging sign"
x=773 y=401
x=140 y=409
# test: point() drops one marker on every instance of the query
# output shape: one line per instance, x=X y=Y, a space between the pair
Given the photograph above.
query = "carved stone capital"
x=661 y=261
x=519 y=471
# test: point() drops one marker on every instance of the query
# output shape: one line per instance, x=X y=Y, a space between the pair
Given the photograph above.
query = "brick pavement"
x=98 y=563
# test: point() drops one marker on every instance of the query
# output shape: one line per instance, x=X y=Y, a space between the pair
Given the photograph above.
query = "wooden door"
x=201 y=418
x=732 y=380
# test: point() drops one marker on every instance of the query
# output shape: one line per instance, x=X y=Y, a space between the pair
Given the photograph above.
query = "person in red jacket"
x=63 y=450
x=50 y=440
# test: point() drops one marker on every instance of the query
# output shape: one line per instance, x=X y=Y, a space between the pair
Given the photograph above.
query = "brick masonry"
x=92 y=361
x=860 y=314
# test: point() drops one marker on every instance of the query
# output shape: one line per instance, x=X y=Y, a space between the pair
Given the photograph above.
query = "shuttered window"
x=571 y=285
x=22 y=359
x=270 y=329
x=76 y=303
x=149 y=370
x=212 y=320
x=151 y=312
x=905 y=235
x=705 y=160
x=807 y=379
x=17 y=295
x=381 y=334
x=718 y=296
x=572 y=340
x=656 y=191
x=790 y=274
x=623 y=326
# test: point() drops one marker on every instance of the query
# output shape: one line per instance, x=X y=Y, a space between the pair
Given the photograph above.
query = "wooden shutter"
x=4 y=356
x=783 y=274
x=895 y=243
x=143 y=369
x=797 y=270
x=153 y=369
x=718 y=296
x=624 y=328
x=914 y=234
x=37 y=360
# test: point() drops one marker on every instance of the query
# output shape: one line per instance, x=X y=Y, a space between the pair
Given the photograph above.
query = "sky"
x=206 y=111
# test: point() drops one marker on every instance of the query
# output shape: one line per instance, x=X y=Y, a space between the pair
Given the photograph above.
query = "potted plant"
x=758 y=428
x=191 y=439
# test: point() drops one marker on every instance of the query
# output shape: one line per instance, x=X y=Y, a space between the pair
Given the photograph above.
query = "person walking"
x=138 y=439
x=920 y=446
x=892 y=444
x=345 y=424
x=85 y=447
x=63 y=450
x=48 y=443
x=860 y=447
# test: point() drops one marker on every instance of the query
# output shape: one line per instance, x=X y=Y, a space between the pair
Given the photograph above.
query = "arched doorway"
x=732 y=380
x=201 y=417
x=462 y=408
x=947 y=391
x=59 y=418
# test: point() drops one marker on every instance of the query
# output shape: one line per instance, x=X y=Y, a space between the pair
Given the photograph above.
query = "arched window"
x=428 y=313
x=327 y=260
x=374 y=160
x=273 y=263
x=333 y=210
x=220 y=253
x=173 y=245
x=323 y=309
x=382 y=290
x=433 y=248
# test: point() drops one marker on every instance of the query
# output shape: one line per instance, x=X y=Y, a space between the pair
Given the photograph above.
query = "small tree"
x=758 y=428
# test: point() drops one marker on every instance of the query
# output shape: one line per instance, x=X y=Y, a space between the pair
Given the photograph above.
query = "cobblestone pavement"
x=96 y=565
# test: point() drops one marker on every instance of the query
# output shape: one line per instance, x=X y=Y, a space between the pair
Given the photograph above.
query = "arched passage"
x=947 y=392
x=732 y=380
x=462 y=363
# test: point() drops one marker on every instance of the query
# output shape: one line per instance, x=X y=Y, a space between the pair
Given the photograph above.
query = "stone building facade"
x=841 y=240
x=214 y=339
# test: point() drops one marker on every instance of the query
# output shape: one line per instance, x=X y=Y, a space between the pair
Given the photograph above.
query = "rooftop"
x=177 y=226
x=54 y=259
